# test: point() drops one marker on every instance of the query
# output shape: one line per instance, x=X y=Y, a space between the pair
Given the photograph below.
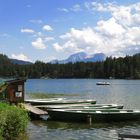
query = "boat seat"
x=114 y=104
x=136 y=110
x=86 y=107
x=123 y=111
x=61 y=110
x=78 y=111
x=98 y=112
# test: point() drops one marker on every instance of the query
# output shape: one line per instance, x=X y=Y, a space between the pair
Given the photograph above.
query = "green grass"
x=48 y=95
x=13 y=121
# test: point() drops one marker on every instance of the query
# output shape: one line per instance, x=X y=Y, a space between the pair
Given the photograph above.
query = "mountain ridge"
x=20 y=62
x=81 y=57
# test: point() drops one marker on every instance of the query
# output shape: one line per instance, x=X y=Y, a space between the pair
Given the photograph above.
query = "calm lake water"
x=125 y=92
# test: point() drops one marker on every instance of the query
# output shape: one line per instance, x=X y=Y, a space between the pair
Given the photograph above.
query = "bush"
x=13 y=121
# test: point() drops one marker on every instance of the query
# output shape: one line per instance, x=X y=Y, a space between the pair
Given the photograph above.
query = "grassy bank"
x=49 y=95
x=13 y=121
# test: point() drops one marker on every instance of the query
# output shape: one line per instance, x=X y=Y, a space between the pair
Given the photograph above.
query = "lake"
x=126 y=92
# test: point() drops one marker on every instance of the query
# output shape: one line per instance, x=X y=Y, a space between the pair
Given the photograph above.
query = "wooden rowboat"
x=94 y=115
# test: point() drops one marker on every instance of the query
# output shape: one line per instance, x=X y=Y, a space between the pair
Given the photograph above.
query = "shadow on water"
x=54 y=130
x=75 y=125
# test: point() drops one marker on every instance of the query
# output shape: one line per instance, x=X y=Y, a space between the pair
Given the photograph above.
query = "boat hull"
x=93 y=117
x=102 y=83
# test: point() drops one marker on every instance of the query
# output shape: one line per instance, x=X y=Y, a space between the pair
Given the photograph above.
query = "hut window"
x=18 y=94
x=20 y=88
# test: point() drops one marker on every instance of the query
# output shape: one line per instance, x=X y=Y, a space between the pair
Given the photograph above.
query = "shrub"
x=13 y=121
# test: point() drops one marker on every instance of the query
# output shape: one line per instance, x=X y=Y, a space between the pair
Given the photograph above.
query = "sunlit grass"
x=13 y=121
x=49 y=95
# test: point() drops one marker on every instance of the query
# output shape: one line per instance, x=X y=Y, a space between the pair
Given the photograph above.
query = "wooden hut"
x=15 y=91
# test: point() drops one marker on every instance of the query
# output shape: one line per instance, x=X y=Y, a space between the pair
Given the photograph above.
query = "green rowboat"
x=94 y=115
x=58 y=102
x=81 y=106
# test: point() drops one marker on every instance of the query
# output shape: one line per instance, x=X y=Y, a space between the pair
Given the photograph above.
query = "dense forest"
x=118 y=68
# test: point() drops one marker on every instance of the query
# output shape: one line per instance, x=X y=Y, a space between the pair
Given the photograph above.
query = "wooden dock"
x=35 y=110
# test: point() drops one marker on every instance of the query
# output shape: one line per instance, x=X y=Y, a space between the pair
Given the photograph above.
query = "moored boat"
x=81 y=106
x=102 y=83
x=94 y=115
x=58 y=102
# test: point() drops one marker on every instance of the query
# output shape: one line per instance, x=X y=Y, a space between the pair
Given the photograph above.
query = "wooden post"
x=89 y=119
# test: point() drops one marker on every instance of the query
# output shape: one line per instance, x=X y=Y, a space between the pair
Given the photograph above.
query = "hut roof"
x=4 y=84
x=15 y=81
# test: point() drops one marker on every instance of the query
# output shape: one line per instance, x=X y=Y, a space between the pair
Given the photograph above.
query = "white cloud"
x=20 y=56
x=63 y=10
x=51 y=58
x=44 y=37
x=101 y=39
x=40 y=34
x=57 y=47
x=125 y=15
x=27 y=31
x=117 y=35
x=132 y=36
x=49 y=38
x=47 y=28
x=96 y=6
x=110 y=27
x=76 y=8
x=39 y=44
x=101 y=7
x=80 y=40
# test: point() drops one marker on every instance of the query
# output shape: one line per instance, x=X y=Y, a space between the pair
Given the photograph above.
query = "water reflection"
x=53 y=130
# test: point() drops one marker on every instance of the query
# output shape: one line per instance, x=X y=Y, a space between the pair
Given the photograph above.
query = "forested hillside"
x=118 y=68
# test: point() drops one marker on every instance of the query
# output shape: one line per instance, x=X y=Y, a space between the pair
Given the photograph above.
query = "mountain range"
x=77 y=57
x=20 y=62
x=81 y=57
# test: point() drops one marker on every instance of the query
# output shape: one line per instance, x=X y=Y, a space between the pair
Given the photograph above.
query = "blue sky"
x=54 y=29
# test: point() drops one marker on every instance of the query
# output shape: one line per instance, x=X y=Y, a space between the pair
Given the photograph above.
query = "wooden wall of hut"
x=15 y=91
